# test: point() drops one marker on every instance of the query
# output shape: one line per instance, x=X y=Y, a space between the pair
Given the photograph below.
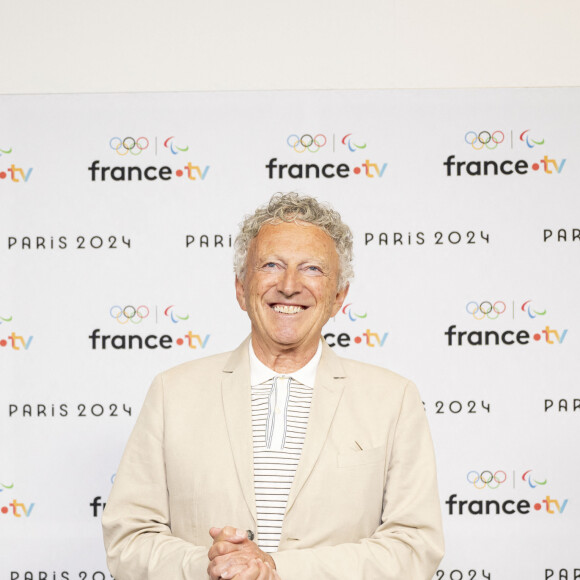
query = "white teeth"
x=286 y=309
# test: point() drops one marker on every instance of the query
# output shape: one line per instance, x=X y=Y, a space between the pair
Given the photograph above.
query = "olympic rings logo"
x=484 y=139
x=486 y=479
x=129 y=145
x=485 y=309
x=306 y=142
x=129 y=314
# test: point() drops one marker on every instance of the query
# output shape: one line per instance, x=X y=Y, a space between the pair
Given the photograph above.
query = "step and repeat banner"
x=118 y=214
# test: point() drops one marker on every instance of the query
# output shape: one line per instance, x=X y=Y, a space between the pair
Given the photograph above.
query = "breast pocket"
x=375 y=455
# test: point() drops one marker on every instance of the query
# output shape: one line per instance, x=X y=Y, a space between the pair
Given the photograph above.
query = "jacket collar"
x=236 y=397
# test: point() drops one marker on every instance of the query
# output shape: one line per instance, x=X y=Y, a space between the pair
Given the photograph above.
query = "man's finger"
x=228 y=534
x=229 y=565
x=263 y=570
x=214 y=532
x=231 y=571
x=252 y=571
x=222 y=548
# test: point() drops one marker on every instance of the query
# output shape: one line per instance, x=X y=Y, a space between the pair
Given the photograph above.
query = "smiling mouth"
x=287 y=308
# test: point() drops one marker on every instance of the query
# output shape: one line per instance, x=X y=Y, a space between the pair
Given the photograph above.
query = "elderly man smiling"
x=279 y=459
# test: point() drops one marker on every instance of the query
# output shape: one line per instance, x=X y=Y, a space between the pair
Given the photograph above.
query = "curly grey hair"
x=289 y=207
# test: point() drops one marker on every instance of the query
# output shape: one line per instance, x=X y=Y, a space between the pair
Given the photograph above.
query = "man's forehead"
x=271 y=231
x=281 y=227
x=320 y=246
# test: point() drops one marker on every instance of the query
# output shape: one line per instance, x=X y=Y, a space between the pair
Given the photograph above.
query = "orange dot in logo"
x=537 y=506
x=535 y=166
x=357 y=339
x=356 y=170
x=179 y=173
x=2 y=174
x=4 y=510
x=537 y=336
x=3 y=342
x=179 y=341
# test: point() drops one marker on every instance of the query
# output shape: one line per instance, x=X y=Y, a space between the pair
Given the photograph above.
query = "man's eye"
x=269 y=266
x=313 y=270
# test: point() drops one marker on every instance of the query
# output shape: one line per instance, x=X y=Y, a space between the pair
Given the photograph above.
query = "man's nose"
x=289 y=282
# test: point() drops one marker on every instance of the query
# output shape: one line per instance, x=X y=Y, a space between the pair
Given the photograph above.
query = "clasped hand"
x=234 y=556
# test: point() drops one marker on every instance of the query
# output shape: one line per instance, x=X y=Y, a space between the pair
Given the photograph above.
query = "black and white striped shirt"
x=280 y=410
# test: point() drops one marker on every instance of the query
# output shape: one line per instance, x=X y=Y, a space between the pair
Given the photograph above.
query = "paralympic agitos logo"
x=314 y=143
x=142 y=149
x=486 y=141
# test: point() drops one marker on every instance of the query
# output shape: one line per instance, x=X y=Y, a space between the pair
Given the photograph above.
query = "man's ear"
x=240 y=295
x=339 y=299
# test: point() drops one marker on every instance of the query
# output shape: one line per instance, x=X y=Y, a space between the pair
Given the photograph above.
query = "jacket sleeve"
x=408 y=543
x=137 y=519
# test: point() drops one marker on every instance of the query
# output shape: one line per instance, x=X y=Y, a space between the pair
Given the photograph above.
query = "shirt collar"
x=260 y=373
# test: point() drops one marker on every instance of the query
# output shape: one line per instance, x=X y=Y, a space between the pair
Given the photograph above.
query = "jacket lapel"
x=330 y=383
x=237 y=403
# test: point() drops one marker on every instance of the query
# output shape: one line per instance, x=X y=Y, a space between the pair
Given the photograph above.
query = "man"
x=279 y=460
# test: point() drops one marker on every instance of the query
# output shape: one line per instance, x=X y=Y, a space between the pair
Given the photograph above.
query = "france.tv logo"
x=13 y=508
x=135 y=148
x=490 y=140
x=368 y=337
x=12 y=172
x=12 y=340
x=314 y=143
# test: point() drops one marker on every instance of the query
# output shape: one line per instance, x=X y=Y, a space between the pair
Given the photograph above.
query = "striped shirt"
x=280 y=410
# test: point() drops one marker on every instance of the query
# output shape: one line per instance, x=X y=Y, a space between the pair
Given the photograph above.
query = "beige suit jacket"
x=352 y=514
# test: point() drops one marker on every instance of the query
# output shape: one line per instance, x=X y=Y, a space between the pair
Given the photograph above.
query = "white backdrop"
x=444 y=254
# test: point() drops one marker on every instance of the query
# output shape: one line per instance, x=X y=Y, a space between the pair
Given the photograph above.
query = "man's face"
x=291 y=286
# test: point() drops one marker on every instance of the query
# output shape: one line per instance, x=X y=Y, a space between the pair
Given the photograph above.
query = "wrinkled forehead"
x=277 y=228
x=284 y=236
x=309 y=228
